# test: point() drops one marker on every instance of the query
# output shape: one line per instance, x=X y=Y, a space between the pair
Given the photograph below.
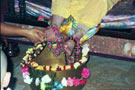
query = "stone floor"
x=106 y=73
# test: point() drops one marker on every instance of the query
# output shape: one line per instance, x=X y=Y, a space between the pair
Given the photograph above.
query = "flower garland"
x=59 y=41
x=71 y=59
x=46 y=82
x=69 y=27
x=57 y=67
x=58 y=47
x=32 y=53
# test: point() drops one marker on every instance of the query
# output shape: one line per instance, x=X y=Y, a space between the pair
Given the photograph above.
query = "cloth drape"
x=88 y=12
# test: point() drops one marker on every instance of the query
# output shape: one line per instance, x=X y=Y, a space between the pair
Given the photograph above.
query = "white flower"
x=85 y=51
x=25 y=74
x=37 y=81
x=64 y=82
x=83 y=60
x=46 y=79
x=28 y=80
x=85 y=45
x=26 y=57
x=38 y=46
x=30 y=50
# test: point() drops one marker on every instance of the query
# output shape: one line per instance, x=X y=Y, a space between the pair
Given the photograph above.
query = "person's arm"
x=33 y=35
x=60 y=10
x=57 y=21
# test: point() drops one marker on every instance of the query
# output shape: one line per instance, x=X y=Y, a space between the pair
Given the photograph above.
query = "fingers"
x=78 y=34
x=68 y=47
x=50 y=35
x=41 y=33
x=41 y=36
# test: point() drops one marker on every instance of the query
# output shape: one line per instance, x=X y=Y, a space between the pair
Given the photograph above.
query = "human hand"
x=56 y=21
x=35 y=35
x=68 y=47
x=50 y=34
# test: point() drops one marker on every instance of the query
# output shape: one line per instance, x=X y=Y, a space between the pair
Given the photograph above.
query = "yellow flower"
x=43 y=44
x=84 y=54
x=83 y=39
x=38 y=46
x=43 y=86
x=54 y=68
x=30 y=57
x=62 y=28
x=54 y=45
x=61 y=67
x=68 y=67
x=40 y=68
x=30 y=50
x=76 y=65
x=34 y=64
x=47 y=68
x=26 y=57
x=35 y=55
x=41 y=48
x=83 y=60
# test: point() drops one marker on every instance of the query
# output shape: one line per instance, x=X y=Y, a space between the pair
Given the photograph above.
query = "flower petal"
x=64 y=82
x=46 y=79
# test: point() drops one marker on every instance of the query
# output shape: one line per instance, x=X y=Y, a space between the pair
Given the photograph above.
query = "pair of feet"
x=68 y=45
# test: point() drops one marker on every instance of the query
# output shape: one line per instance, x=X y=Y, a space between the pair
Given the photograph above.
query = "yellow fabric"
x=88 y=12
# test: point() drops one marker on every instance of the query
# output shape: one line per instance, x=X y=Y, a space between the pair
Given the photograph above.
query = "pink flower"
x=70 y=81
x=25 y=69
x=72 y=60
x=76 y=82
x=40 y=18
x=85 y=73
x=83 y=81
x=37 y=81
x=25 y=74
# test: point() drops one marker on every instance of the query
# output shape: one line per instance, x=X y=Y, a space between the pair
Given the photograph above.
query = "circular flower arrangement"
x=45 y=82
x=32 y=72
x=33 y=52
x=37 y=74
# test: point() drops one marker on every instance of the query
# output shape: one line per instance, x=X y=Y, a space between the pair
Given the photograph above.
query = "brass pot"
x=47 y=58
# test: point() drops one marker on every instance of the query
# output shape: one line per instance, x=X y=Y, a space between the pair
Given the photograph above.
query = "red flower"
x=83 y=81
x=85 y=73
x=76 y=82
x=25 y=69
